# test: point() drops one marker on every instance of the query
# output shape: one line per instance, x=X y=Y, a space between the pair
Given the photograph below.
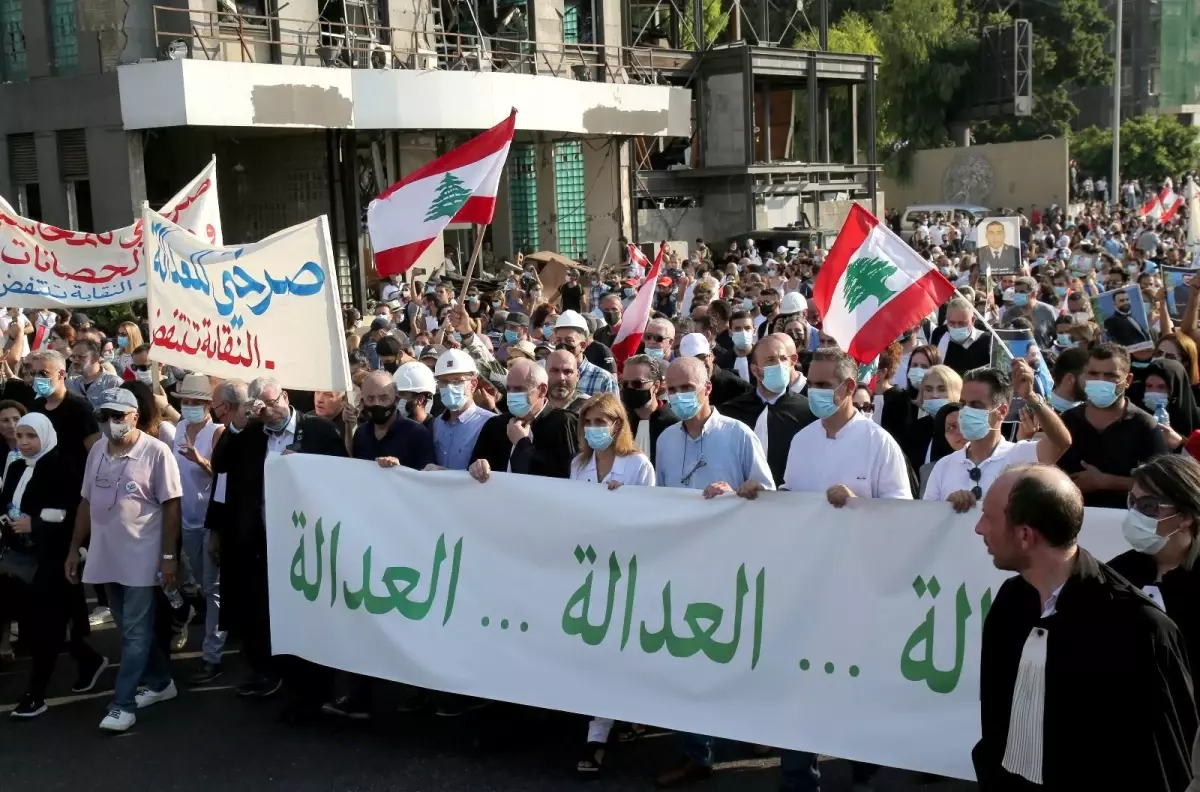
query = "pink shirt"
x=125 y=496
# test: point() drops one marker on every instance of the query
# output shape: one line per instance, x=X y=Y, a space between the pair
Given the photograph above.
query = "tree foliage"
x=715 y=22
x=1152 y=148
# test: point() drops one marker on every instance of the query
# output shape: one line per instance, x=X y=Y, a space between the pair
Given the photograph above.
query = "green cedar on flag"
x=450 y=197
x=873 y=287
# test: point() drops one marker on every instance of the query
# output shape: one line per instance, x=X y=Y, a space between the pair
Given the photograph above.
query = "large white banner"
x=782 y=621
x=43 y=266
x=266 y=309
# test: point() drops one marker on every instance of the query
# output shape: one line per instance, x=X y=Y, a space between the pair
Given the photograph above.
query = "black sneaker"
x=29 y=708
x=260 y=686
x=90 y=675
x=347 y=707
x=205 y=674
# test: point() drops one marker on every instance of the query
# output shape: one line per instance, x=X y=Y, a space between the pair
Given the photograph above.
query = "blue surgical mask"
x=1140 y=364
x=959 y=334
x=509 y=285
x=122 y=341
x=1061 y=405
x=43 y=386
x=1101 y=393
x=747 y=304
x=656 y=353
x=518 y=403
x=1065 y=340
x=821 y=401
x=1155 y=400
x=598 y=437
x=193 y=413
x=684 y=405
x=916 y=376
x=974 y=423
x=628 y=292
x=454 y=396
x=547 y=330
x=1061 y=291
x=933 y=405
x=743 y=339
x=776 y=378
x=1020 y=299
x=511 y=336
x=495 y=303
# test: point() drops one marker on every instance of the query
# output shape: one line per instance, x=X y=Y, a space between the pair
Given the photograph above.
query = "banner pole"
x=462 y=294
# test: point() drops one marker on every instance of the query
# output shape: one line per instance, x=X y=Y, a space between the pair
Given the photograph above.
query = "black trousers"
x=43 y=611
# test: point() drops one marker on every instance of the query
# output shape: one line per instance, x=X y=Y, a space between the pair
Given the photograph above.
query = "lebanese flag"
x=633 y=324
x=1170 y=201
x=873 y=287
x=457 y=187
x=1152 y=208
x=638 y=261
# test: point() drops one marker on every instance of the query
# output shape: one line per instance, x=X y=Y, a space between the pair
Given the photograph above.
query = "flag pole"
x=462 y=294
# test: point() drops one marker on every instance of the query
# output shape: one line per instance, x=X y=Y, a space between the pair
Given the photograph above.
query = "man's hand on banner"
x=715 y=489
x=480 y=470
x=838 y=495
x=962 y=501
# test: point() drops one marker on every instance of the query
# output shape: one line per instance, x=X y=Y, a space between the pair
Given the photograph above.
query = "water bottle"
x=1160 y=415
x=173 y=595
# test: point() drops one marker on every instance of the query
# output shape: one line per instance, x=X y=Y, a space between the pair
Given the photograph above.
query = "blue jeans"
x=142 y=660
x=201 y=573
x=798 y=768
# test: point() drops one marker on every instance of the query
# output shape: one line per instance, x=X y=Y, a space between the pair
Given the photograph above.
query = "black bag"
x=18 y=564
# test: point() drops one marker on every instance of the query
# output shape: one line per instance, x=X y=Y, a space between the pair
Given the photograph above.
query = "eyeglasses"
x=1149 y=505
x=638 y=384
x=975 y=474
x=658 y=339
x=273 y=402
x=866 y=408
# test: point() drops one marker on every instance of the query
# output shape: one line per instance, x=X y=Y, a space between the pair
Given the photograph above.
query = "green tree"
x=715 y=22
x=451 y=195
x=1152 y=147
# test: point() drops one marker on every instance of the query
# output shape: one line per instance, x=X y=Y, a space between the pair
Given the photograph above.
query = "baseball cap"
x=573 y=320
x=381 y=323
x=694 y=345
x=454 y=361
x=431 y=351
x=517 y=318
x=665 y=281
x=118 y=400
x=79 y=319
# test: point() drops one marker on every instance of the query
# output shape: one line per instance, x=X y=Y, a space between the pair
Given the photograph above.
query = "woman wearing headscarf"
x=1166 y=382
x=39 y=516
x=947 y=438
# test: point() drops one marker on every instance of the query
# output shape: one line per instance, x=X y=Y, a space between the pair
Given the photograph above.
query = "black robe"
x=1119 y=709
x=788 y=415
x=962 y=359
x=727 y=386
x=1180 y=589
x=548 y=453
x=659 y=420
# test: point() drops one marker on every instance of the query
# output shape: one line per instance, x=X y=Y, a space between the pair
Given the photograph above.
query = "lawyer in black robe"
x=964 y=358
x=660 y=419
x=787 y=416
x=548 y=452
x=1119 y=708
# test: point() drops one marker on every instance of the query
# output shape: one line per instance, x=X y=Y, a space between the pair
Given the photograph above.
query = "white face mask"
x=144 y=376
x=1142 y=532
x=118 y=430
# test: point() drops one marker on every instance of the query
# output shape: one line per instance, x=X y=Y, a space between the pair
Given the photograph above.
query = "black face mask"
x=390 y=366
x=804 y=358
x=634 y=398
x=612 y=317
x=379 y=414
x=766 y=308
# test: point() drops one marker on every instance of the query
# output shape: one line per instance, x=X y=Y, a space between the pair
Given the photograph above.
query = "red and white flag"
x=873 y=287
x=633 y=323
x=457 y=187
x=1152 y=208
x=638 y=262
x=1170 y=201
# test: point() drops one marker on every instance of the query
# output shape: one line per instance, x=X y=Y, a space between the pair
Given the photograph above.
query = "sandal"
x=593 y=760
x=631 y=733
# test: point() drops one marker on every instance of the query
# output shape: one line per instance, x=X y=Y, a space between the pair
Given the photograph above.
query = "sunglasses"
x=975 y=474
x=140 y=366
x=110 y=415
x=1148 y=505
x=658 y=339
x=867 y=408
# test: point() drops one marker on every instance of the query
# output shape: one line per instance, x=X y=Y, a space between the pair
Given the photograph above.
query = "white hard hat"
x=454 y=361
x=793 y=303
x=571 y=319
x=693 y=345
x=781 y=249
x=415 y=377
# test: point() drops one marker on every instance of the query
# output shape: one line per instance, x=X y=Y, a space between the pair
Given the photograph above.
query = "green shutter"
x=570 y=198
x=13 y=65
x=571 y=22
x=64 y=37
x=522 y=197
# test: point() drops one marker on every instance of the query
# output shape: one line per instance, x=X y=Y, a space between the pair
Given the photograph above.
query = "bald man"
x=533 y=436
x=772 y=410
x=1073 y=655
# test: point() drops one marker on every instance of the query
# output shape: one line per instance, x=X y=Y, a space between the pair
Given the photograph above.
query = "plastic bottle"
x=1160 y=415
x=173 y=595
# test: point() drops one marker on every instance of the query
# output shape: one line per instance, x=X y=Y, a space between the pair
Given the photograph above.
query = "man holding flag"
x=633 y=323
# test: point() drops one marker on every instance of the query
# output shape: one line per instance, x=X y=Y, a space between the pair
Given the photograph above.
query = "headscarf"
x=45 y=432
x=1181 y=400
x=939 y=446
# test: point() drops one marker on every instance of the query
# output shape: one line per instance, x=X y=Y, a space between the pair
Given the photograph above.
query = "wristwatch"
x=168 y=557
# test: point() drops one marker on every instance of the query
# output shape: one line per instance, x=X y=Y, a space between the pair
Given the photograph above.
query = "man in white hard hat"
x=792 y=304
x=415 y=391
x=456 y=430
x=571 y=334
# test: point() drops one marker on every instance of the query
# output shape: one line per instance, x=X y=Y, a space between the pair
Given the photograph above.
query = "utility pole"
x=1115 y=186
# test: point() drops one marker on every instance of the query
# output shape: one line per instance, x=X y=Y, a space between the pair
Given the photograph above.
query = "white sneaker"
x=99 y=616
x=146 y=697
x=118 y=720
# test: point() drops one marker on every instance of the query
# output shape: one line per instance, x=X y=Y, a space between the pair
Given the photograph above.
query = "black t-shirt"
x=73 y=421
x=1131 y=440
x=572 y=297
x=599 y=354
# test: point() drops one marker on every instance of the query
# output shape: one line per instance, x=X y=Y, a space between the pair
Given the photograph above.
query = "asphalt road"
x=207 y=739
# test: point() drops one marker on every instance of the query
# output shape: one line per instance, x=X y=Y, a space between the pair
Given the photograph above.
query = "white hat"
x=781 y=249
x=694 y=345
x=573 y=320
x=454 y=361
x=414 y=377
x=793 y=303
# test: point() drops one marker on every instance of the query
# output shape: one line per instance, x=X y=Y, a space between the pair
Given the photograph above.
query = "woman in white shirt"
x=608 y=456
x=607 y=453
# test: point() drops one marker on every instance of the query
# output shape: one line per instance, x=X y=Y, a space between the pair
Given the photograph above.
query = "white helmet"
x=414 y=377
x=454 y=361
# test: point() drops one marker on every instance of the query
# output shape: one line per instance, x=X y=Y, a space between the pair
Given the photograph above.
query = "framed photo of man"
x=1122 y=314
x=998 y=245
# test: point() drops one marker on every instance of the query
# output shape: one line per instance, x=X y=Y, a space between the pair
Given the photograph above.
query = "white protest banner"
x=269 y=309
x=46 y=267
x=782 y=621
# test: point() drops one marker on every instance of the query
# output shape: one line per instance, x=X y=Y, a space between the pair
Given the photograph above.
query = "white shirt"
x=953 y=473
x=862 y=456
x=278 y=443
x=629 y=469
x=937 y=235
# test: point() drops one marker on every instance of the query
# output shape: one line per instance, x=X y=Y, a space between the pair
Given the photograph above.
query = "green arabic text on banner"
x=782 y=621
